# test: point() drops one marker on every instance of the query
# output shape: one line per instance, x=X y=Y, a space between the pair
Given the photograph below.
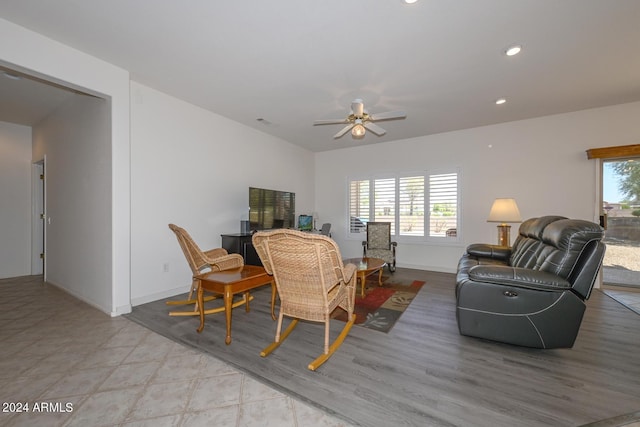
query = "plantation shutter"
x=419 y=205
x=411 y=206
x=358 y=206
x=385 y=201
x=443 y=204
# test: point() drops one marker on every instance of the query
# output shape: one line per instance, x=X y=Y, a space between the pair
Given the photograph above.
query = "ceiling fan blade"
x=357 y=108
x=330 y=122
x=374 y=128
x=343 y=131
x=389 y=115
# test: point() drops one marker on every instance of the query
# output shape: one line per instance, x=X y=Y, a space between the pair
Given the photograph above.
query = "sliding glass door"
x=621 y=205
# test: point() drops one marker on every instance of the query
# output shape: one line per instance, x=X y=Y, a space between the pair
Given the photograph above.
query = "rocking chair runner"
x=311 y=281
x=200 y=261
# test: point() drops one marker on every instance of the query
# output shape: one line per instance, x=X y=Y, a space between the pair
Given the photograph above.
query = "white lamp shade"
x=504 y=210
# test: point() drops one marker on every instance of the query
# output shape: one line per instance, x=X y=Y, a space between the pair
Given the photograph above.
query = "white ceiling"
x=290 y=62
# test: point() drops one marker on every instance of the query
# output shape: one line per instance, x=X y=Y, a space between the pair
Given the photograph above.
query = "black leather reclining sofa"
x=533 y=293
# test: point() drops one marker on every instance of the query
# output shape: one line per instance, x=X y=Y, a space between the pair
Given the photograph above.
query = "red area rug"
x=383 y=305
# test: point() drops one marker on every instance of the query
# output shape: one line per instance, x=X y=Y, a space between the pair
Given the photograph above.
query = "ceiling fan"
x=360 y=120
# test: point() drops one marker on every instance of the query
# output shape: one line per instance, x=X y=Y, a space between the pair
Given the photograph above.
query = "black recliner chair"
x=533 y=293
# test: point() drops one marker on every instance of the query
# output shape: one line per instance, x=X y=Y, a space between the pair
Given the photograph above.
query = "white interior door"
x=38 y=215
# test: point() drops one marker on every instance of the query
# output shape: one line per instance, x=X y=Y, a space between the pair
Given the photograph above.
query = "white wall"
x=75 y=140
x=194 y=168
x=15 y=200
x=540 y=162
x=37 y=55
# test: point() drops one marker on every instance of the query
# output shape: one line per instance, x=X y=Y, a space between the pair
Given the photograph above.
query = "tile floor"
x=75 y=366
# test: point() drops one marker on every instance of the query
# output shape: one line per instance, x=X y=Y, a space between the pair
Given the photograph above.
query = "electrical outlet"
x=165 y=267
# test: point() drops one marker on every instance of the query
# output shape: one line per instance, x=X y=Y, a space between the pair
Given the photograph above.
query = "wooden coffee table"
x=367 y=266
x=230 y=282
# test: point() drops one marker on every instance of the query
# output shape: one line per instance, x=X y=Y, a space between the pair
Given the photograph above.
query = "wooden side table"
x=367 y=266
x=230 y=282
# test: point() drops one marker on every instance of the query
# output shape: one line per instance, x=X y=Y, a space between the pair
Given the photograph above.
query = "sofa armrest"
x=518 y=277
x=483 y=250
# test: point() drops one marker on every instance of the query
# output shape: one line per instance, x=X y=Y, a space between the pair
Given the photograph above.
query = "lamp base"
x=504 y=235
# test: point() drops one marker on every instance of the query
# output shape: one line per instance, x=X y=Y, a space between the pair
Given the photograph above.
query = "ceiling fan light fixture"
x=358 y=130
x=360 y=121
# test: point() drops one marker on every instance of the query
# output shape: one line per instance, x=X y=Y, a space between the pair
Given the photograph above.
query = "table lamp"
x=504 y=211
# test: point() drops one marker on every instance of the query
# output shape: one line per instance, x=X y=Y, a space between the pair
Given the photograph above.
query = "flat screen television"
x=269 y=209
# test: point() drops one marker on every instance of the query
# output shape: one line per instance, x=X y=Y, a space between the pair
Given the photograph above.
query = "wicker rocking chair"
x=311 y=281
x=201 y=261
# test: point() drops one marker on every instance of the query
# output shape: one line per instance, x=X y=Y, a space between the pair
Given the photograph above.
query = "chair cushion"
x=378 y=236
x=385 y=254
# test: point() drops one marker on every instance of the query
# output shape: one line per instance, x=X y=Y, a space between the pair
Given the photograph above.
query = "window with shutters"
x=443 y=205
x=418 y=205
x=411 y=205
x=384 y=201
x=358 y=205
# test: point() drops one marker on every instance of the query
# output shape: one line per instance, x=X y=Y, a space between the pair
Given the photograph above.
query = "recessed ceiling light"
x=500 y=101
x=410 y=1
x=513 y=50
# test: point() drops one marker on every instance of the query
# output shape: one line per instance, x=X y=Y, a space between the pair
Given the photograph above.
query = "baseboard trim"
x=124 y=309
x=427 y=268
x=159 y=295
x=82 y=298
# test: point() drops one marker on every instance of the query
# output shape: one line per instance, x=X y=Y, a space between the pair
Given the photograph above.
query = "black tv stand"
x=240 y=243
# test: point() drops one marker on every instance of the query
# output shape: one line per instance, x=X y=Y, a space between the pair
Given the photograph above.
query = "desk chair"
x=326 y=229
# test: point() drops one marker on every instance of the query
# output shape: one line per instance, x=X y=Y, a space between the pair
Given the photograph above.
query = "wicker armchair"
x=201 y=261
x=311 y=281
x=379 y=244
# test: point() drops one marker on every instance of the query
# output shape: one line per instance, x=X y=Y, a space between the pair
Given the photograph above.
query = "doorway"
x=621 y=208
x=38 y=215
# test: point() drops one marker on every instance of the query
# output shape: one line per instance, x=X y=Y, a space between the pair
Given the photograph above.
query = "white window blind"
x=358 y=205
x=411 y=206
x=385 y=201
x=443 y=205
x=417 y=205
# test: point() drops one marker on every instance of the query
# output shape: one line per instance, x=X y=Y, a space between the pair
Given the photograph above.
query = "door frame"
x=600 y=155
x=38 y=218
x=622 y=281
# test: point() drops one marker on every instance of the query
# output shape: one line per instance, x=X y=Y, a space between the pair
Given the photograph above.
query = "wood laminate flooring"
x=627 y=296
x=423 y=372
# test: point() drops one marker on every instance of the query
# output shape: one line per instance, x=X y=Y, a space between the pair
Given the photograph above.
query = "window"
x=358 y=205
x=384 y=201
x=417 y=205
x=443 y=205
x=411 y=205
